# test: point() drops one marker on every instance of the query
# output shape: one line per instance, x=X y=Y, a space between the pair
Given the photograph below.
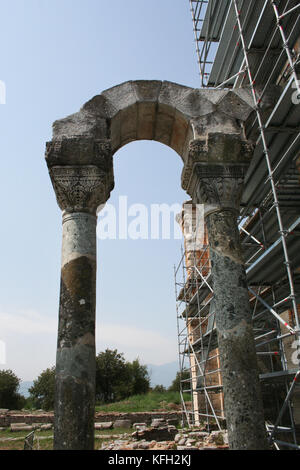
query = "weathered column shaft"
x=80 y=190
x=242 y=395
x=75 y=361
x=216 y=175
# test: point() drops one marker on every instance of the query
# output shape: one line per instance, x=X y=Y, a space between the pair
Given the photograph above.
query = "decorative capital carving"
x=219 y=187
x=81 y=188
x=215 y=169
x=197 y=152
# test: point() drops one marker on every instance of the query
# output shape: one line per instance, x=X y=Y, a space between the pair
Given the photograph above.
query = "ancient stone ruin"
x=206 y=129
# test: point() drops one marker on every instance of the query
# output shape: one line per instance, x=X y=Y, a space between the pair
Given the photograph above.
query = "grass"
x=151 y=401
x=47 y=442
x=18 y=442
x=8 y=434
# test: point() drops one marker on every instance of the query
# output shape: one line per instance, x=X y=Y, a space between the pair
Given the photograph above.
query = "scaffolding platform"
x=253 y=44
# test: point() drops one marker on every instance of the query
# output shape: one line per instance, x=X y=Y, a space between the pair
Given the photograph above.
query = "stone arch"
x=207 y=129
x=163 y=111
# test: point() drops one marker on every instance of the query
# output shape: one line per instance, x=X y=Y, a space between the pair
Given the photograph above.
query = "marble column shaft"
x=80 y=190
x=216 y=178
x=75 y=360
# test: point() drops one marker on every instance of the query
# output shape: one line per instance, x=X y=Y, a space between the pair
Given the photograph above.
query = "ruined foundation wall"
x=140 y=417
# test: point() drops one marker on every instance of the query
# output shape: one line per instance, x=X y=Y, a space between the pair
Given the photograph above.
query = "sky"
x=54 y=56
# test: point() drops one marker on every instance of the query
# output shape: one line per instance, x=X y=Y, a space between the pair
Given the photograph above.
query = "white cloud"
x=30 y=342
x=149 y=345
x=27 y=322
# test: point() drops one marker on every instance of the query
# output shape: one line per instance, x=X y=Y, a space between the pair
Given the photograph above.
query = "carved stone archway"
x=206 y=128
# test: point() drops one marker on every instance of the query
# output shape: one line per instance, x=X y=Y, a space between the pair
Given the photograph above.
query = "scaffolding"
x=254 y=44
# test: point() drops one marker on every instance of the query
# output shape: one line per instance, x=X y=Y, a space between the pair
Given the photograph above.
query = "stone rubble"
x=161 y=436
x=108 y=425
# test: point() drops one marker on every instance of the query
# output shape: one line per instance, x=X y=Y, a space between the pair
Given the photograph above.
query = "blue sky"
x=56 y=55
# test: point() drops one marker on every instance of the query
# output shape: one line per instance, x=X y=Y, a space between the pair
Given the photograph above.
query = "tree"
x=139 y=376
x=117 y=379
x=175 y=385
x=9 y=396
x=111 y=376
x=159 y=389
x=42 y=391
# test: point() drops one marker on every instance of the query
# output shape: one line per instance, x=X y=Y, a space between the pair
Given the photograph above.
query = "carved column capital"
x=219 y=187
x=81 y=171
x=214 y=171
x=80 y=188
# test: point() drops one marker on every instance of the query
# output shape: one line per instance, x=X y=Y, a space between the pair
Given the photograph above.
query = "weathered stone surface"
x=81 y=124
x=129 y=131
x=243 y=405
x=46 y=427
x=234 y=106
x=162 y=111
x=36 y=425
x=121 y=96
x=199 y=434
x=216 y=437
x=79 y=150
x=100 y=417
x=180 y=131
x=181 y=442
x=156 y=434
x=80 y=188
x=75 y=363
x=144 y=445
x=190 y=442
x=20 y=427
x=122 y=423
x=108 y=425
x=223 y=154
x=75 y=379
x=82 y=176
x=158 y=422
x=218 y=185
x=146 y=121
x=185 y=439
x=147 y=90
x=80 y=164
x=139 y=425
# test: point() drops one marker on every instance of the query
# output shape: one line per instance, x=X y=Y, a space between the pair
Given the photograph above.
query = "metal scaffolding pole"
x=257 y=44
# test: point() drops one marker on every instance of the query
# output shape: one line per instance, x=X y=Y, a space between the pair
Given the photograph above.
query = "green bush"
x=42 y=391
x=117 y=379
x=9 y=396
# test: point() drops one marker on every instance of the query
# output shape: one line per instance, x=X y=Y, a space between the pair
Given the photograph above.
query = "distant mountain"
x=23 y=390
x=163 y=374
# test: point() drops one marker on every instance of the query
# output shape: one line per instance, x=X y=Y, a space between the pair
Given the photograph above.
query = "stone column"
x=80 y=189
x=214 y=177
